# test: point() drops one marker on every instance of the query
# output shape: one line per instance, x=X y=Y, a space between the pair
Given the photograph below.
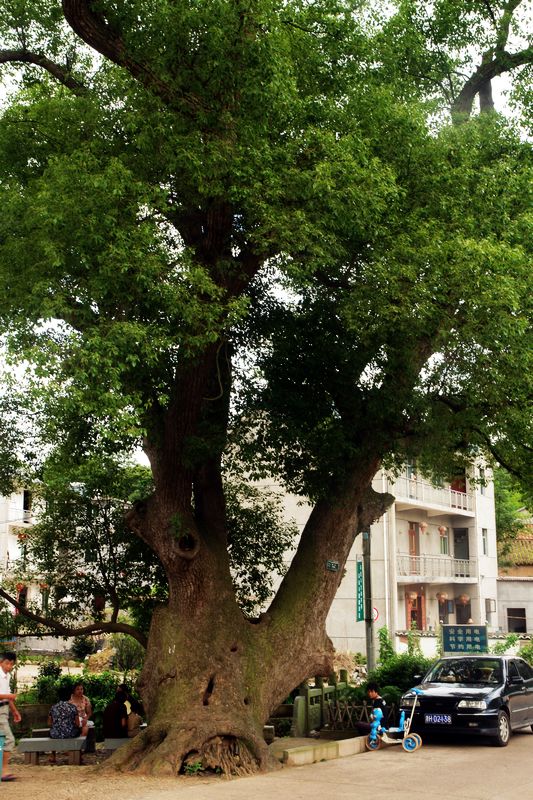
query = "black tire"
x=504 y=731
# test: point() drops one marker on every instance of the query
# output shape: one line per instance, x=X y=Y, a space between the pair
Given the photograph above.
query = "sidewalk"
x=294 y=752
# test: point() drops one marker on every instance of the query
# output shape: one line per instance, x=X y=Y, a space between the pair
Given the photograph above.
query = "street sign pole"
x=369 y=633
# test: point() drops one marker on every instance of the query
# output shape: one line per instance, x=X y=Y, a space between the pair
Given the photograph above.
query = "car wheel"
x=504 y=730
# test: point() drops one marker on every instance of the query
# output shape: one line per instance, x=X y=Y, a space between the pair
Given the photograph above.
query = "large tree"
x=285 y=221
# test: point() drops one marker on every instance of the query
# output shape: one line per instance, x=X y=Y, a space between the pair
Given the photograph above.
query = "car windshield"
x=466 y=671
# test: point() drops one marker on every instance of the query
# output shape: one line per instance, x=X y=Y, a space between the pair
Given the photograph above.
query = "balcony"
x=416 y=493
x=433 y=569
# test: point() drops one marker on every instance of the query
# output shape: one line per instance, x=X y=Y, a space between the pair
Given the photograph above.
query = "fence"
x=311 y=706
x=344 y=716
x=320 y=707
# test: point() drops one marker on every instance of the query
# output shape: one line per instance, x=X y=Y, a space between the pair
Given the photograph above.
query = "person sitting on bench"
x=64 y=720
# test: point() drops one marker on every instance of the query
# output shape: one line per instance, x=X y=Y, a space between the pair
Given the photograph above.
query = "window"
x=444 y=612
x=525 y=670
x=516 y=620
x=485 y=541
x=490 y=608
x=482 y=487
x=444 y=546
x=463 y=613
x=26 y=505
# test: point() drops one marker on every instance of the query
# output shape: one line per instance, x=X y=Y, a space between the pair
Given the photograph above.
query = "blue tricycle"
x=401 y=735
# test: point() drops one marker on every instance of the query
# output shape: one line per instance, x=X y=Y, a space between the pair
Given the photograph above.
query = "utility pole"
x=369 y=632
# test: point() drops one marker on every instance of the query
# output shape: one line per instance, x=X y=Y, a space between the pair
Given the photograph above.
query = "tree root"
x=174 y=750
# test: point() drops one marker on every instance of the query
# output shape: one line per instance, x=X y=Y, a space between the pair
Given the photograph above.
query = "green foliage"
x=129 y=654
x=500 y=648
x=82 y=646
x=100 y=688
x=50 y=669
x=386 y=648
x=510 y=517
x=413 y=641
x=526 y=652
x=353 y=694
x=258 y=540
x=193 y=768
x=391 y=694
x=400 y=671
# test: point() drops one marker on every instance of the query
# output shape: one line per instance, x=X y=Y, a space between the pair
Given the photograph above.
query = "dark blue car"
x=482 y=695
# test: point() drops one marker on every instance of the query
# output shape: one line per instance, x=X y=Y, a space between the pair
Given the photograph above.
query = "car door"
x=516 y=692
x=526 y=671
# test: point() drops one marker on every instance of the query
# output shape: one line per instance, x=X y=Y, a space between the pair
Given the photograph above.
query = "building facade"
x=16 y=519
x=433 y=560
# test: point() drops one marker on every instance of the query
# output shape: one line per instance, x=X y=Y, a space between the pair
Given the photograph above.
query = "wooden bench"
x=32 y=748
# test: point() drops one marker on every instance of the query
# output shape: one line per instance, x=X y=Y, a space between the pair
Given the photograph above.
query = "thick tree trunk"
x=212 y=677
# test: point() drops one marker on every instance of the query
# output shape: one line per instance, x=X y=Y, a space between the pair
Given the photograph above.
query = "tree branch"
x=505 y=23
x=61 y=74
x=501 y=63
x=97 y=32
x=61 y=629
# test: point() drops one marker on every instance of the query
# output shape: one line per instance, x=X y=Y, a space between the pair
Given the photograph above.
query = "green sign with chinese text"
x=464 y=639
x=360 y=592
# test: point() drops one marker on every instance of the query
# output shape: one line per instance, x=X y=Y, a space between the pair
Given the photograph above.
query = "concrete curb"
x=322 y=751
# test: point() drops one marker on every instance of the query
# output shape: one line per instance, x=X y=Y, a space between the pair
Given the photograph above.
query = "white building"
x=433 y=560
x=15 y=522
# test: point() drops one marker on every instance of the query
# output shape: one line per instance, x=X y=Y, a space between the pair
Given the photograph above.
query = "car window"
x=470 y=671
x=513 y=670
x=525 y=670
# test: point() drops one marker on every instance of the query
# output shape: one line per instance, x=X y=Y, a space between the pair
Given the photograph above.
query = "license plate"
x=438 y=719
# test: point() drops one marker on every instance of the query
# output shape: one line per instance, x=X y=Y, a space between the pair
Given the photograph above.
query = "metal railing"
x=424 y=492
x=435 y=566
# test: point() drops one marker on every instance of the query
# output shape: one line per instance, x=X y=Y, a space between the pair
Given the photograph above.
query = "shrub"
x=83 y=646
x=100 y=689
x=500 y=648
x=353 y=694
x=526 y=652
x=129 y=653
x=49 y=669
x=386 y=648
x=400 y=671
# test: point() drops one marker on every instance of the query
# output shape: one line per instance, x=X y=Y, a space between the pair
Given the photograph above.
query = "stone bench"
x=114 y=744
x=32 y=748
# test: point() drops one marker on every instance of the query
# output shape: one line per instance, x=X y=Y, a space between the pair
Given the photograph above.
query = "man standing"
x=7 y=702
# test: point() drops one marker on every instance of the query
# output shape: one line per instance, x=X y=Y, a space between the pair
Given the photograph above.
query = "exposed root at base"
x=173 y=750
x=225 y=754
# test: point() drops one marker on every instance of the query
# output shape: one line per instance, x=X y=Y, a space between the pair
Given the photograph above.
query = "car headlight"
x=480 y=704
x=408 y=701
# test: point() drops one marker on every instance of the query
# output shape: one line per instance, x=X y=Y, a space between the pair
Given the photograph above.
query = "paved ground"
x=467 y=770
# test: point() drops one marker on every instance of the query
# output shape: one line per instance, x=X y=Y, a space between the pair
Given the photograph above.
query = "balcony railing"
x=435 y=566
x=415 y=489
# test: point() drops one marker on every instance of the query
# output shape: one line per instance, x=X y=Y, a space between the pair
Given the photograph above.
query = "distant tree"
x=510 y=514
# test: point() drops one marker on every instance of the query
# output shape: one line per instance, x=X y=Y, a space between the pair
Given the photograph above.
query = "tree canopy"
x=279 y=237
